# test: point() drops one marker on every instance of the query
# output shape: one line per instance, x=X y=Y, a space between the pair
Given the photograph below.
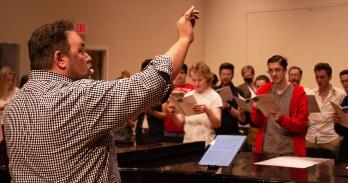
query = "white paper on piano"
x=184 y=104
x=312 y=104
x=292 y=161
x=223 y=150
x=225 y=93
x=342 y=112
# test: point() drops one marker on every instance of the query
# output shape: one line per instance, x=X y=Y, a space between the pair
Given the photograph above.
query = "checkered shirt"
x=58 y=130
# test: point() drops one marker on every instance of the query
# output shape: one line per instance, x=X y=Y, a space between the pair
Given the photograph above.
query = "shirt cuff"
x=163 y=64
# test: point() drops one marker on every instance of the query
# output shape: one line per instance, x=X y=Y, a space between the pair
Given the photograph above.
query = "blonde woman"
x=201 y=127
x=7 y=90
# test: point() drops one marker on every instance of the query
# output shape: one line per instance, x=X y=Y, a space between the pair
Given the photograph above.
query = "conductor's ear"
x=59 y=59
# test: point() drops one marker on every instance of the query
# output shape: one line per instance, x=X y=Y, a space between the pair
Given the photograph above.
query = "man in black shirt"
x=340 y=129
x=230 y=113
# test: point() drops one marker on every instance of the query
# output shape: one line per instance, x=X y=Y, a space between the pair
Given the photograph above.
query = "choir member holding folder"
x=231 y=115
x=201 y=126
x=282 y=131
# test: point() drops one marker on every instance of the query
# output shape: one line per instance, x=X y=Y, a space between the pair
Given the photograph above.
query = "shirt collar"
x=44 y=75
x=229 y=84
x=332 y=90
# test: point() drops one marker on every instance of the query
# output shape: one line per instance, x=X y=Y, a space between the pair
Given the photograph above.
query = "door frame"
x=105 y=52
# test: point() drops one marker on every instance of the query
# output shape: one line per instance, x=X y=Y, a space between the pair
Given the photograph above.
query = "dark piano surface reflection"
x=183 y=167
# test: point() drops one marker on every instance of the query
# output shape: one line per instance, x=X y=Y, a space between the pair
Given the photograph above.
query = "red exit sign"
x=81 y=28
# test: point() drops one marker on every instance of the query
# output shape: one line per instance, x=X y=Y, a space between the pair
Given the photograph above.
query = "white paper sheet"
x=292 y=161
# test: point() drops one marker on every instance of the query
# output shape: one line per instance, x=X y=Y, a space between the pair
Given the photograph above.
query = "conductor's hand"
x=186 y=23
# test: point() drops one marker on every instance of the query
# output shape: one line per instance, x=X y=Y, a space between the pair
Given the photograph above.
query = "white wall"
x=131 y=30
x=251 y=31
x=237 y=31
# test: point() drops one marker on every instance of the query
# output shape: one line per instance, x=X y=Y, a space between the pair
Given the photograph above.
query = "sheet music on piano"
x=223 y=150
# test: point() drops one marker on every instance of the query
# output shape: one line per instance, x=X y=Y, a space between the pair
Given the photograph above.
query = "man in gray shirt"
x=58 y=126
x=281 y=132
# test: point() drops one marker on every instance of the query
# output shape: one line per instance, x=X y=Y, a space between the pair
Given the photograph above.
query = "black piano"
x=179 y=163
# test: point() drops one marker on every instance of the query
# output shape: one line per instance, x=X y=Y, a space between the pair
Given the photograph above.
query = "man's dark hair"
x=47 y=39
x=295 y=67
x=226 y=66
x=145 y=64
x=323 y=66
x=184 y=68
x=262 y=77
x=215 y=79
x=344 y=72
x=24 y=79
x=280 y=59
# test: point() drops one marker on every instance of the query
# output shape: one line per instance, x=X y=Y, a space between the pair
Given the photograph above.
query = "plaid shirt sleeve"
x=109 y=104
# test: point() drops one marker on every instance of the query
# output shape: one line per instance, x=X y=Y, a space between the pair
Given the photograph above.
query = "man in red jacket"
x=282 y=132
